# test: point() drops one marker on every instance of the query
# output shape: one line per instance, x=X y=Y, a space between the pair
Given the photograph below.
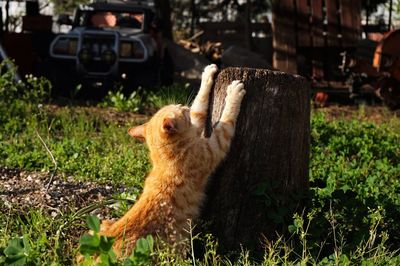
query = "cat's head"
x=170 y=122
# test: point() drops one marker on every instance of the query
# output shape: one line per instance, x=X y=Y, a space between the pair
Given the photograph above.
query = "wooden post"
x=303 y=14
x=247 y=25
x=390 y=15
x=193 y=17
x=163 y=8
x=318 y=40
x=258 y=186
x=284 y=36
x=333 y=16
x=7 y=22
x=350 y=17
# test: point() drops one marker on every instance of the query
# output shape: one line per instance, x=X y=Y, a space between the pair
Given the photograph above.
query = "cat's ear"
x=138 y=132
x=169 y=126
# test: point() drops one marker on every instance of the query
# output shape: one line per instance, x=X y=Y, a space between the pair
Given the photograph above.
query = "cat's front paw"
x=235 y=91
x=208 y=74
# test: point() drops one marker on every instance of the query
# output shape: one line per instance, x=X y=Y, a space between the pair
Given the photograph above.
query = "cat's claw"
x=235 y=90
x=211 y=69
x=232 y=85
x=208 y=73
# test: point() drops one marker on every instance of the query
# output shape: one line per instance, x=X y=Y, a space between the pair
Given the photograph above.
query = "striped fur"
x=182 y=160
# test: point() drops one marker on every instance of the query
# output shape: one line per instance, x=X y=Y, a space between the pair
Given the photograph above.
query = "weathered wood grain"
x=270 y=152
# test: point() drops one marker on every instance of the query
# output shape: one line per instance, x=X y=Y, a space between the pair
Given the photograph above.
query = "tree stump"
x=265 y=174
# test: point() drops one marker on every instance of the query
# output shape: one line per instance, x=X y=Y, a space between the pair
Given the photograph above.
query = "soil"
x=376 y=114
x=108 y=114
x=39 y=190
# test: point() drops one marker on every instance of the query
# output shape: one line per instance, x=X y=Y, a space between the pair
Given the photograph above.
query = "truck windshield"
x=112 y=19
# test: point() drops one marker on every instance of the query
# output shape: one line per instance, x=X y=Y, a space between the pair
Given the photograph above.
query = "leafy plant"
x=17 y=253
x=142 y=253
x=132 y=103
x=96 y=249
x=142 y=100
x=354 y=173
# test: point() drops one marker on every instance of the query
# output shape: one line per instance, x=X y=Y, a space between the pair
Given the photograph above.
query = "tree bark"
x=259 y=185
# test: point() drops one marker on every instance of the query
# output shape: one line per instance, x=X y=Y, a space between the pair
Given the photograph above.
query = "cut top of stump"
x=275 y=87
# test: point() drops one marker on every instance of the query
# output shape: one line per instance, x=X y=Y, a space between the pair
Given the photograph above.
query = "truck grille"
x=94 y=47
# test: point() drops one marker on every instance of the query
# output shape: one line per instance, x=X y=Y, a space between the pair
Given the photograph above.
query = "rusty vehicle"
x=110 y=42
x=387 y=63
x=328 y=43
x=379 y=73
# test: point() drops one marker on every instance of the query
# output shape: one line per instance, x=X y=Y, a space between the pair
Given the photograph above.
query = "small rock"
x=7 y=204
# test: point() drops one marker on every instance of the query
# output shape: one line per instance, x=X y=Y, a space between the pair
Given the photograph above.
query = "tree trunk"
x=284 y=36
x=265 y=175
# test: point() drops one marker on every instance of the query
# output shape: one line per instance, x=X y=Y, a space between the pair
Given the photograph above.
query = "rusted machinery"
x=387 y=63
x=375 y=74
x=379 y=75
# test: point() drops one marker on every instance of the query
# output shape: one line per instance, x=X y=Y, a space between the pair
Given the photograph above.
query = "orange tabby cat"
x=182 y=159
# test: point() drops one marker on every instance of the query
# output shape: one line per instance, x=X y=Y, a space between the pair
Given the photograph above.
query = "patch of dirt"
x=112 y=114
x=108 y=114
x=26 y=190
x=376 y=114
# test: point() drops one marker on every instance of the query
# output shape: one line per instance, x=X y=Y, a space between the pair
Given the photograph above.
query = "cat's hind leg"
x=198 y=110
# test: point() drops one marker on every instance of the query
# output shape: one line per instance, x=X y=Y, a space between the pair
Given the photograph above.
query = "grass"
x=353 y=206
x=354 y=174
x=76 y=139
x=47 y=237
x=141 y=100
x=77 y=142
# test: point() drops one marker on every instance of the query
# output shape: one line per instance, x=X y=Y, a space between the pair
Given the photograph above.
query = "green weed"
x=135 y=102
x=354 y=175
x=142 y=100
x=34 y=237
x=97 y=249
x=175 y=94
